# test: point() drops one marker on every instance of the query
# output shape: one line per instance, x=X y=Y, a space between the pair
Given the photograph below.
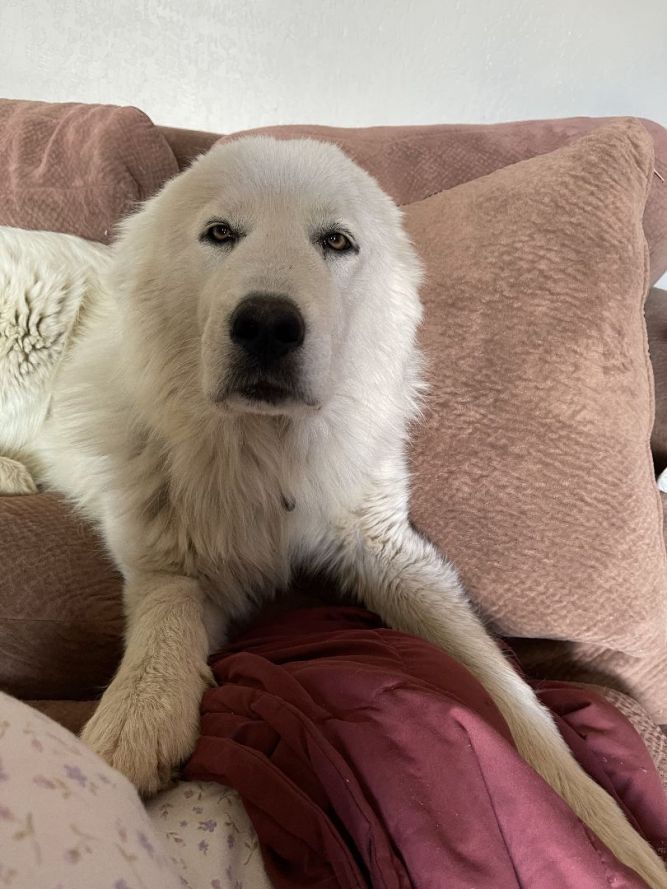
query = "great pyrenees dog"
x=227 y=393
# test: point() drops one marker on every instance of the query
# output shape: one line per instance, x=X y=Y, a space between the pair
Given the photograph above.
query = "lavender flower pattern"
x=213 y=843
x=62 y=811
x=74 y=773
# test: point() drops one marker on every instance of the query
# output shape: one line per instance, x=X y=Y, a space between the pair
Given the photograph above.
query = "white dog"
x=232 y=402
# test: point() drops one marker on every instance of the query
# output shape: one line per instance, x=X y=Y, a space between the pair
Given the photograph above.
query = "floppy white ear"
x=131 y=256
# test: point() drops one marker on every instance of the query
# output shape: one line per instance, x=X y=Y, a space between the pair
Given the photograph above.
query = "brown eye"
x=337 y=241
x=220 y=233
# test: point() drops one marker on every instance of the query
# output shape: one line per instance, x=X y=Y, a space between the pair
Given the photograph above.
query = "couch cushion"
x=641 y=677
x=77 y=168
x=60 y=602
x=188 y=144
x=533 y=470
x=413 y=162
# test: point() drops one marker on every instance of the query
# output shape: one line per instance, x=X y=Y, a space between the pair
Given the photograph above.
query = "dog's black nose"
x=267 y=326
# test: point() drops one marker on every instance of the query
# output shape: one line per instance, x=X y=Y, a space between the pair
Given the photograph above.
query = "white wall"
x=233 y=64
x=226 y=65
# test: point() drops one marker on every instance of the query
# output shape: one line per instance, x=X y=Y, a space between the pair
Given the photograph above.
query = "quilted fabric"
x=77 y=168
x=367 y=757
x=652 y=735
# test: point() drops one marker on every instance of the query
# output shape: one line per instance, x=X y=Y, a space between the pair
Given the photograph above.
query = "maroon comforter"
x=366 y=757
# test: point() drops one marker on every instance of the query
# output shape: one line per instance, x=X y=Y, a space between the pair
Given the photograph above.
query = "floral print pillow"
x=69 y=821
x=210 y=839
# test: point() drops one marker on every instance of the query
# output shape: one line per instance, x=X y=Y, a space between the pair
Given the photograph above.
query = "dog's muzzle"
x=268 y=331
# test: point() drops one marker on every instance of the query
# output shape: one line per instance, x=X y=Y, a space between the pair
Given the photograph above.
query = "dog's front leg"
x=148 y=718
x=402 y=578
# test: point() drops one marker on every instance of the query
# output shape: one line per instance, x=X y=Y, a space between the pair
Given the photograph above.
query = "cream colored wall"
x=232 y=64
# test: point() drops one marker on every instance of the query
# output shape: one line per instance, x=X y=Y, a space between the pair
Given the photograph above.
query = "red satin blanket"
x=366 y=757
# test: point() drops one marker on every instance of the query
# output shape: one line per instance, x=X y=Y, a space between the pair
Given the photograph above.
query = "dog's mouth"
x=265 y=391
x=260 y=394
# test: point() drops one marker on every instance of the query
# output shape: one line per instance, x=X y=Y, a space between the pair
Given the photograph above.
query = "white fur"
x=46 y=280
x=190 y=487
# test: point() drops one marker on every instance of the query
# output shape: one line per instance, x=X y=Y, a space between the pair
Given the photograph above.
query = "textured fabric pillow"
x=643 y=677
x=413 y=162
x=533 y=470
x=77 y=168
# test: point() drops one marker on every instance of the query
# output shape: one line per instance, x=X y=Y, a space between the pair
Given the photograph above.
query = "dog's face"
x=269 y=268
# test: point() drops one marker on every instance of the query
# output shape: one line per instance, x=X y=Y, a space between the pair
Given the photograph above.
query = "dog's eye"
x=336 y=241
x=219 y=233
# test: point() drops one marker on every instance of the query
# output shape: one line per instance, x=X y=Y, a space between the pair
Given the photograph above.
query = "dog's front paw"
x=15 y=479
x=145 y=729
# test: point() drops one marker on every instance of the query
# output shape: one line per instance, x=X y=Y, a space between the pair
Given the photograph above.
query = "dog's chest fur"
x=236 y=506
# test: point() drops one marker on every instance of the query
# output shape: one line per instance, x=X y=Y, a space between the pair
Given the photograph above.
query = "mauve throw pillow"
x=77 y=168
x=533 y=470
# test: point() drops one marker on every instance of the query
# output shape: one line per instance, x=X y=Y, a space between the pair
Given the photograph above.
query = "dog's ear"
x=132 y=252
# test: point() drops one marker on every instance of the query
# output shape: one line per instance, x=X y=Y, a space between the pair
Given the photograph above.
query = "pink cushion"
x=77 y=168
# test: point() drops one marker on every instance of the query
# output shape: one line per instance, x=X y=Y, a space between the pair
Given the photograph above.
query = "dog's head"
x=268 y=278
